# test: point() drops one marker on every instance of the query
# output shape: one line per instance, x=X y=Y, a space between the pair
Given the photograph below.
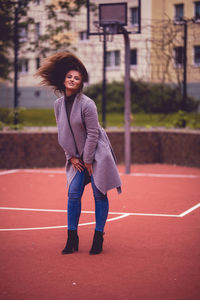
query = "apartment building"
x=176 y=34
x=156 y=53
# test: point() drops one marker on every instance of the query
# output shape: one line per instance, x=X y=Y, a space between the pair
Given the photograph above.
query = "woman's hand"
x=77 y=164
x=89 y=168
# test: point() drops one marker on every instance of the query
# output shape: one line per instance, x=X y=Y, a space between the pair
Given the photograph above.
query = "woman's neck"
x=70 y=97
x=69 y=93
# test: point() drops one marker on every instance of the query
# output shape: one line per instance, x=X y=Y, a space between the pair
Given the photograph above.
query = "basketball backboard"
x=113 y=15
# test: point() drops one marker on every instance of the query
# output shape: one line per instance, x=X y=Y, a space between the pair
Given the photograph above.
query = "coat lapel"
x=75 y=108
x=76 y=119
x=65 y=137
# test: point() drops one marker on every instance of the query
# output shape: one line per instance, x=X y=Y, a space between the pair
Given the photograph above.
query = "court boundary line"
x=122 y=215
x=110 y=213
x=60 y=226
x=42 y=171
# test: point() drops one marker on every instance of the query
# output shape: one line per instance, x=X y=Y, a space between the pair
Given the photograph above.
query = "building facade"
x=175 y=40
x=157 y=53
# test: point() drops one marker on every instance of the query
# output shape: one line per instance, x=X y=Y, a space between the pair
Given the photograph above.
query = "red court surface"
x=151 y=246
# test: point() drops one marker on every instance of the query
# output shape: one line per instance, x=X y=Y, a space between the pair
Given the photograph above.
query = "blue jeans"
x=75 y=193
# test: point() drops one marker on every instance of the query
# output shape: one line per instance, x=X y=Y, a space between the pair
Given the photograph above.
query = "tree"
x=53 y=39
x=6 y=37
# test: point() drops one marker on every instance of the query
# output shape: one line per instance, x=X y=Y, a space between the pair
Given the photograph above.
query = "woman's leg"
x=101 y=213
x=101 y=207
x=75 y=192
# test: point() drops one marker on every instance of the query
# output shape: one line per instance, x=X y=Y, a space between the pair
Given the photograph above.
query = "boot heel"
x=76 y=246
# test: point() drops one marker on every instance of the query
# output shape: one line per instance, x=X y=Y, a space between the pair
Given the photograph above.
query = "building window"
x=83 y=35
x=23 y=33
x=23 y=66
x=37 y=2
x=178 y=56
x=197 y=55
x=37 y=31
x=133 y=57
x=197 y=10
x=37 y=61
x=113 y=58
x=134 y=16
x=37 y=93
x=178 y=12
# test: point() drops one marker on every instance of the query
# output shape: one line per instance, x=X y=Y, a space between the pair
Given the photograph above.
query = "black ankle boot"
x=97 y=245
x=72 y=242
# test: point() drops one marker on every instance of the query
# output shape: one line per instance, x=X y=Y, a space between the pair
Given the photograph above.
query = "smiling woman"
x=89 y=155
x=55 y=68
x=73 y=82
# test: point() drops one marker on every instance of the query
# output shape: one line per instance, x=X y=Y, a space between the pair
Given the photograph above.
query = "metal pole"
x=16 y=49
x=185 y=67
x=88 y=19
x=139 y=16
x=104 y=81
x=127 y=110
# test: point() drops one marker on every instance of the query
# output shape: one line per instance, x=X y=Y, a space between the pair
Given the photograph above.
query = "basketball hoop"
x=111 y=29
x=113 y=20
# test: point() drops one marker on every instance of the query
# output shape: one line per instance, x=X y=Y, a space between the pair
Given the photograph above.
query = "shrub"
x=145 y=97
x=6 y=116
x=114 y=96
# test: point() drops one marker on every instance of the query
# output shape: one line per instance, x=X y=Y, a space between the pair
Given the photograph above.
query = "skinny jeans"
x=75 y=193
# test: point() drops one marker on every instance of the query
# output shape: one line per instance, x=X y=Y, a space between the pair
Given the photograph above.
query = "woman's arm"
x=91 y=123
x=89 y=168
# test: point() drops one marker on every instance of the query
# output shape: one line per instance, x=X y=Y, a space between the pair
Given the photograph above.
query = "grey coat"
x=90 y=139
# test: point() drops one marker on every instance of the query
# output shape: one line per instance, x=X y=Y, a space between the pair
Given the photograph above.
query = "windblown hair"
x=55 y=68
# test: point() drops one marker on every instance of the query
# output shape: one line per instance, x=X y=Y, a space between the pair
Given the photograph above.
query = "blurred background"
x=164 y=60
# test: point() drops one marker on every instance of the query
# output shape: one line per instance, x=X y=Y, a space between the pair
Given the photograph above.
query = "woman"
x=89 y=155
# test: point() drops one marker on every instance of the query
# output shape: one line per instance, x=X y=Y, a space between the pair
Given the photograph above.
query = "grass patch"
x=29 y=117
x=45 y=117
x=176 y=120
x=41 y=117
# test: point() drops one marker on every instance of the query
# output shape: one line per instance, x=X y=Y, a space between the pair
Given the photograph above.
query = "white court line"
x=32 y=228
x=55 y=210
x=122 y=215
x=110 y=213
x=165 y=175
x=189 y=210
x=33 y=209
x=162 y=175
x=43 y=171
x=63 y=226
x=9 y=172
x=88 y=212
x=191 y=176
x=154 y=215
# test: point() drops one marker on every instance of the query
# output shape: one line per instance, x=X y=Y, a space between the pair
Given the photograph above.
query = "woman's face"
x=73 y=81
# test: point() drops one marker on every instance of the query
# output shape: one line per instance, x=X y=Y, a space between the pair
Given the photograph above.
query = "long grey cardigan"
x=90 y=139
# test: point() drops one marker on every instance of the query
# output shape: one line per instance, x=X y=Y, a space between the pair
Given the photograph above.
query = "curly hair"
x=55 y=68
